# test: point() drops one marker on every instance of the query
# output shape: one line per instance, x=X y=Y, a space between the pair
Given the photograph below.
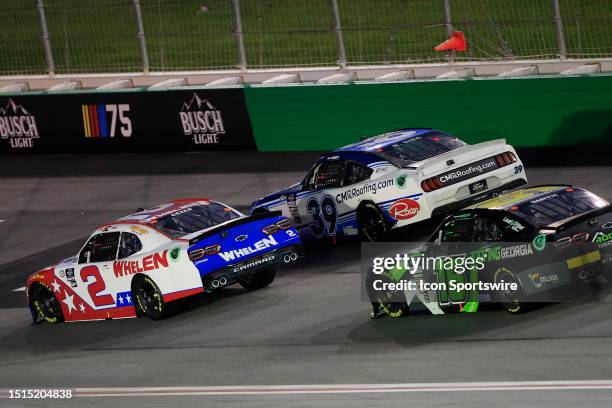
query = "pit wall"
x=528 y=112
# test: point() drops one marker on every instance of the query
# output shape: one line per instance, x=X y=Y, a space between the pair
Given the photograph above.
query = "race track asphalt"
x=310 y=327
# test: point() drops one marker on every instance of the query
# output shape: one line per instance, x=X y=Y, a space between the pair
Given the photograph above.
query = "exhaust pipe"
x=217 y=283
x=290 y=257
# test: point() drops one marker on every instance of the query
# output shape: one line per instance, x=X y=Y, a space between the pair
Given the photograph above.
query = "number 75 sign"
x=106 y=120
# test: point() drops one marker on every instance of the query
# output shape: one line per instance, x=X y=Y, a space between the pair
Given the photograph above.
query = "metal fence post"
x=242 y=62
x=45 y=38
x=559 y=29
x=142 y=43
x=448 y=23
x=447 y=18
x=339 y=37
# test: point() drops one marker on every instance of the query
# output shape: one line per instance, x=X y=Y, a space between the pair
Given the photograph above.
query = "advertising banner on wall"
x=125 y=121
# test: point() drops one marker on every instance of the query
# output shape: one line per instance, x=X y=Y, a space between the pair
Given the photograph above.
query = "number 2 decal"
x=324 y=216
x=96 y=286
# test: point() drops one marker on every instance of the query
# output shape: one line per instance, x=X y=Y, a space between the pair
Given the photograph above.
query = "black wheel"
x=372 y=223
x=385 y=302
x=394 y=309
x=258 y=280
x=512 y=300
x=149 y=298
x=45 y=305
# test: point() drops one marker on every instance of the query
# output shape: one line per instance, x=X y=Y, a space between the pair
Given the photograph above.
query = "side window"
x=329 y=174
x=356 y=172
x=487 y=230
x=129 y=245
x=100 y=248
x=471 y=228
x=458 y=229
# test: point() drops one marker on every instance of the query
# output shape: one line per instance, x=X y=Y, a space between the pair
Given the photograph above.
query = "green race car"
x=532 y=245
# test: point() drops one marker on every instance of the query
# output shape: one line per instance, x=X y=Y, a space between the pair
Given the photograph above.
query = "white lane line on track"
x=21 y=289
x=345 y=388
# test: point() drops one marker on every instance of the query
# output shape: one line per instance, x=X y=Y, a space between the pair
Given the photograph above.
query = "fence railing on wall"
x=72 y=36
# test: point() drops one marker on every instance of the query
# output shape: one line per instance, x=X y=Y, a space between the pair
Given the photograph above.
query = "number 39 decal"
x=324 y=216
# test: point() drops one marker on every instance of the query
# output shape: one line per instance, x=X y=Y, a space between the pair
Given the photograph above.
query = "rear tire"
x=394 y=309
x=511 y=300
x=149 y=298
x=258 y=280
x=45 y=305
x=385 y=302
x=371 y=223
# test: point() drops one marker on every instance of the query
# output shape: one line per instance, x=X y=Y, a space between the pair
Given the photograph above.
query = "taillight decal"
x=563 y=242
x=213 y=249
x=202 y=252
x=580 y=237
x=196 y=254
x=270 y=229
x=284 y=224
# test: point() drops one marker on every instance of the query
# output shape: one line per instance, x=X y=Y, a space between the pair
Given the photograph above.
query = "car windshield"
x=418 y=148
x=549 y=208
x=193 y=219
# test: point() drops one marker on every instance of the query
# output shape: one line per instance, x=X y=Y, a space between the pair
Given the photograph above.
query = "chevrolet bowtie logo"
x=241 y=238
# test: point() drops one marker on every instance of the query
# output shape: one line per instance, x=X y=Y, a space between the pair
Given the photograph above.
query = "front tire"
x=149 y=298
x=45 y=305
x=511 y=300
x=371 y=222
x=258 y=280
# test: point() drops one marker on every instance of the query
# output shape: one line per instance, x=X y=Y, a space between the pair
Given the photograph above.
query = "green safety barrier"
x=528 y=112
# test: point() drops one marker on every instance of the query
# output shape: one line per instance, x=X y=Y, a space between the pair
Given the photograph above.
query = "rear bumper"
x=457 y=205
x=233 y=273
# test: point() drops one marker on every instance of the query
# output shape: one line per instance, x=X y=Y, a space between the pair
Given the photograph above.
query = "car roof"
x=507 y=200
x=146 y=216
x=385 y=139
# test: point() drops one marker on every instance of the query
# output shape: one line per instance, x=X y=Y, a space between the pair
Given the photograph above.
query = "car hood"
x=276 y=195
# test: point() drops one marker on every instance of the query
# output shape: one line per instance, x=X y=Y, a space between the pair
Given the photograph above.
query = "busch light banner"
x=125 y=121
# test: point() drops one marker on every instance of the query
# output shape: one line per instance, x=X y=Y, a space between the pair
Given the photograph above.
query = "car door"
x=95 y=270
x=466 y=234
x=316 y=204
x=356 y=176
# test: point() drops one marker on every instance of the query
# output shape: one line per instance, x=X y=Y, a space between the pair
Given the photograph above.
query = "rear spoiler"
x=482 y=148
x=576 y=219
x=234 y=223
